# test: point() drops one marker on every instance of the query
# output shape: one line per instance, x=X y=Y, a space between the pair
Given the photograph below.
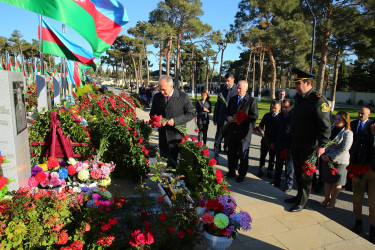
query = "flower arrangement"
x=201 y=177
x=175 y=188
x=257 y=129
x=47 y=219
x=219 y=217
x=355 y=171
x=55 y=173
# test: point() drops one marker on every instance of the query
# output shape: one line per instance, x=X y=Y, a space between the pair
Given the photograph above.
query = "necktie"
x=359 y=129
x=168 y=98
x=239 y=100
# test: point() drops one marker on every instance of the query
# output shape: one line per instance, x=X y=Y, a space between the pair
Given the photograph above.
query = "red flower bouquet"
x=240 y=117
x=156 y=121
x=356 y=171
x=284 y=154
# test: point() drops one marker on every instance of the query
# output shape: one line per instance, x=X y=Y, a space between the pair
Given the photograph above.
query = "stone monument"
x=14 y=142
x=42 y=93
x=56 y=91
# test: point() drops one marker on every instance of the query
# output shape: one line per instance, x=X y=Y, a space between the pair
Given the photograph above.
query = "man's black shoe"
x=357 y=227
x=240 y=179
x=230 y=175
x=291 y=200
x=296 y=208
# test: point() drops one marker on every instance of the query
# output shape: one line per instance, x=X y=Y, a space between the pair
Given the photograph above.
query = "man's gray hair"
x=244 y=82
x=168 y=78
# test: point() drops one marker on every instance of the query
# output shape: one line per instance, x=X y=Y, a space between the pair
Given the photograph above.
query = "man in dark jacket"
x=281 y=142
x=220 y=112
x=239 y=132
x=175 y=106
x=267 y=124
x=311 y=128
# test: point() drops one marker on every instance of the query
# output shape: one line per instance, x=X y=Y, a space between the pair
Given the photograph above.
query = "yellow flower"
x=180 y=191
x=105 y=182
x=43 y=166
x=173 y=198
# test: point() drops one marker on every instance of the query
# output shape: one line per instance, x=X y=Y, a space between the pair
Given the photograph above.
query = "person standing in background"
x=202 y=119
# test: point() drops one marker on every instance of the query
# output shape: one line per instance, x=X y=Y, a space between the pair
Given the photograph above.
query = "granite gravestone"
x=14 y=143
x=42 y=93
x=56 y=91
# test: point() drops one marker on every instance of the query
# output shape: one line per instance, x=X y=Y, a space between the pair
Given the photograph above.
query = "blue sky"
x=218 y=13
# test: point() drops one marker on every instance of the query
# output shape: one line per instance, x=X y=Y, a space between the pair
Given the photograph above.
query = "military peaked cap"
x=300 y=75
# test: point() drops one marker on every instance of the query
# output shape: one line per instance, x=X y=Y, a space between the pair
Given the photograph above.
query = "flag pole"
x=64 y=69
x=41 y=45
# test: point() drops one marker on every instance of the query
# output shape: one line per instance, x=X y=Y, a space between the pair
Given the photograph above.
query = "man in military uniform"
x=311 y=129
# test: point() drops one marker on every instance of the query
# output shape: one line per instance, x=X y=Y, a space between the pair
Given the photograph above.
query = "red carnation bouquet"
x=157 y=120
x=284 y=154
x=356 y=170
x=309 y=165
x=240 y=117
x=257 y=129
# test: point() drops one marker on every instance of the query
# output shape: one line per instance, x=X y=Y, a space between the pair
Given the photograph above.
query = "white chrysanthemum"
x=83 y=175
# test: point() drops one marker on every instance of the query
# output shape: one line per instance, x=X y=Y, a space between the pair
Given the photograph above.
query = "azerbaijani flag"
x=57 y=44
x=98 y=21
x=17 y=67
x=74 y=75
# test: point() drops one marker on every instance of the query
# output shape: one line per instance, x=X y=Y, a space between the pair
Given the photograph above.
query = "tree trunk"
x=160 y=61
x=273 y=74
x=253 y=90
x=249 y=65
x=261 y=59
x=177 y=64
x=135 y=71
x=122 y=69
x=207 y=72
x=147 y=69
x=324 y=51
x=140 y=70
x=221 y=63
x=192 y=71
x=335 y=76
x=168 y=59
x=213 y=68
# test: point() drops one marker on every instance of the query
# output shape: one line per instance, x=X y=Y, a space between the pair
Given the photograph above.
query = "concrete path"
x=273 y=226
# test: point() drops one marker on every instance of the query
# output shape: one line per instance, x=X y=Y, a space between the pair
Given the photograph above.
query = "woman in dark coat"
x=202 y=111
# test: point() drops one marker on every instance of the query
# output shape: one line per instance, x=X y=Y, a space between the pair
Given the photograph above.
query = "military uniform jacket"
x=310 y=121
x=179 y=107
x=220 y=112
x=249 y=106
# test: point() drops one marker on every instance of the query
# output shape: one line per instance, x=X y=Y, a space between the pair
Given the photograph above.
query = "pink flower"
x=44 y=184
x=32 y=182
x=106 y=171
x=54 y=175
x=54 y=182
x=96 y=173
x=95 y=196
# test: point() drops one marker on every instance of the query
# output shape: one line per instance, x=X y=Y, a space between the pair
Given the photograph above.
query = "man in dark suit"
x=361 y=136
x=220 y=112
x=267 y=124
x=311 y=128
x=365 y=182
x=239 y=132
x=175 y=106
x=281 y=140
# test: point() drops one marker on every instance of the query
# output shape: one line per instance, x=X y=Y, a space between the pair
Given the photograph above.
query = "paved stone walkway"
x=273 y=226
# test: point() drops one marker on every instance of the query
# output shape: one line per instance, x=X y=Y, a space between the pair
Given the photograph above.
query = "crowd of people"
x=293 y=132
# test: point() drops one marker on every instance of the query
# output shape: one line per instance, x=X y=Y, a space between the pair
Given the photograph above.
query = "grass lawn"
x=264 y=107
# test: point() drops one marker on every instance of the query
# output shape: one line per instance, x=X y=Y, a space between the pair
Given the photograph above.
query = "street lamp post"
x=313 y=38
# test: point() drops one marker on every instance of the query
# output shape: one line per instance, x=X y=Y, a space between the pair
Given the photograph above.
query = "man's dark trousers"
x=238 y=150
x=289 y=170
x=303 y=180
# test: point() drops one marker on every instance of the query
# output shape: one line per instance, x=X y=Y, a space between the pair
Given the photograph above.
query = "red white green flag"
x=98 y=21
